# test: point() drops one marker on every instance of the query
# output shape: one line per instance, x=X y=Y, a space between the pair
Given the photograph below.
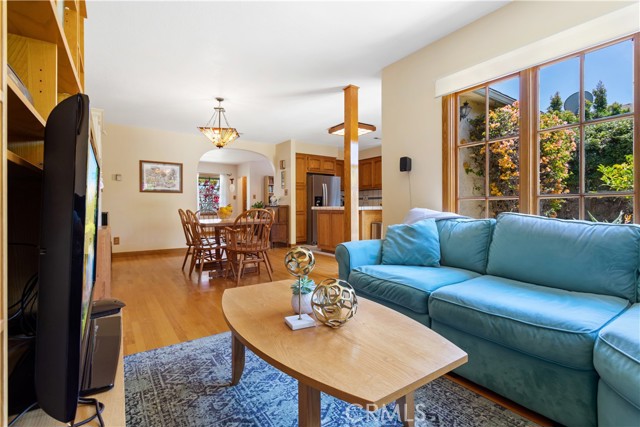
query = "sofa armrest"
x=351 y=255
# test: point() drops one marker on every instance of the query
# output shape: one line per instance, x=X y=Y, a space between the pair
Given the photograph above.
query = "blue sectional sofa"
x=542 y=306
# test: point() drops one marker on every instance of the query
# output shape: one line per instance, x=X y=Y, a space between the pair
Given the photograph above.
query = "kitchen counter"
x=341 y=208
x=330 y=224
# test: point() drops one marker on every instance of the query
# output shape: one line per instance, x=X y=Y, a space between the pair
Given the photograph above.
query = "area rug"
x=186 y=385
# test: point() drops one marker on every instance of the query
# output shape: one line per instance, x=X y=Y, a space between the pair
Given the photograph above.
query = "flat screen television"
x=69 y=221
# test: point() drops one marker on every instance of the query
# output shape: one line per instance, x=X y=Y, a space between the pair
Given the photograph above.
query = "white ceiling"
x=231 y=156
x=280 y=65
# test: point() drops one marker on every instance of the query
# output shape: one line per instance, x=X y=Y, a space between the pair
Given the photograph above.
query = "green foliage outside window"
x=608 y=162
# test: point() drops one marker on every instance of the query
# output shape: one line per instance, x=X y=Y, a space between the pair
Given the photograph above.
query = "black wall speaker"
x=105 y=218
x=405 y=164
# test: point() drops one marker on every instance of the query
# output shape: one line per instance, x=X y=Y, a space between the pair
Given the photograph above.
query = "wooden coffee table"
x=378 y=357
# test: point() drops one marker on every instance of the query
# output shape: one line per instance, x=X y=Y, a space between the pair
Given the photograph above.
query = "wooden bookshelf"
x=26 y=123
x=44 y=43
x=39 y=20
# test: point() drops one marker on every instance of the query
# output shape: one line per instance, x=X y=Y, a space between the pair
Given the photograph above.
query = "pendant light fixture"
x=363 y=128
x=213 y=130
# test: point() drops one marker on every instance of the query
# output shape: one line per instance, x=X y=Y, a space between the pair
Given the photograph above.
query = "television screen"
x=90 y=236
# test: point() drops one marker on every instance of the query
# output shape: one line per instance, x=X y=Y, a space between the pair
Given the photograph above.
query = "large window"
x=566 y=149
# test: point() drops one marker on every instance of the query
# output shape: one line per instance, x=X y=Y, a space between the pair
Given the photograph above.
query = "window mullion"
x=636 y=130
x=527 y=194
x=487 y=190
x=581 y=160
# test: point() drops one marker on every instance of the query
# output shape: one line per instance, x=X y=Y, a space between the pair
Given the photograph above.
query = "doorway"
x=243 y=192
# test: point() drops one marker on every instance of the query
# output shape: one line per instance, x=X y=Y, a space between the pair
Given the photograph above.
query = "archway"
x=220 y=172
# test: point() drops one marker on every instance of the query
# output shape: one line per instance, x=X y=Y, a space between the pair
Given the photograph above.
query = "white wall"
x=148 y=221
x=412 y=115
x=370 y=152
x=255 y=189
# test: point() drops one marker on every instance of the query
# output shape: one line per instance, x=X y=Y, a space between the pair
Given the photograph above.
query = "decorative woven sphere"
x=299 y=261
x=334 y=302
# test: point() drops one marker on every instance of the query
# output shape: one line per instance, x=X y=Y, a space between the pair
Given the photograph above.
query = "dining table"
x=216 y=225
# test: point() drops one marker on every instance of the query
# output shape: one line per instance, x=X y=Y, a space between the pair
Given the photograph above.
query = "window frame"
x=529 y=188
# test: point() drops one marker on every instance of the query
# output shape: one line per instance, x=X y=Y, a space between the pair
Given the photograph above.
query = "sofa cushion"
x=573 y=255
x=617 y=355
x=549 y=323
x=464 y=243
x=415 y=244
x=406 y=286
x=418 y=214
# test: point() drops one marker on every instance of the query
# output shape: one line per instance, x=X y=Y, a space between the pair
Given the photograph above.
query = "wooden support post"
x=351 y=172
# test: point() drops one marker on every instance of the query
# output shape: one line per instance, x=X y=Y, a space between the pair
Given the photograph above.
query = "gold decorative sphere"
x=334 y=302
x=299 y=261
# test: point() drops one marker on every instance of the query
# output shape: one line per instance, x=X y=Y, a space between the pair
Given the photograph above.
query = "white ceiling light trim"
x=608 y=27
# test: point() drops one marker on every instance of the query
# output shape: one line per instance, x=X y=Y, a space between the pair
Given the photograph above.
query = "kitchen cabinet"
x=340 y=172
x=314 y=164
x=301 y=213
x=365 y=174
x=331 y=226
x=301 y=169
x=377 y=173
x=330 y=229
x=370 y=173
x=301 y=198
x=308 y=163
x=328 y=165
x=321 y=164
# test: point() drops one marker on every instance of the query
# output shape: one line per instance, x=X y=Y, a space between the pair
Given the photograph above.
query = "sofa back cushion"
x=573 y=255
x=464 y=243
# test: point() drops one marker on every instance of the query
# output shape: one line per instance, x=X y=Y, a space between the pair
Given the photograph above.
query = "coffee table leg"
x=308 y=406
x=407 y=408
x=237 y=359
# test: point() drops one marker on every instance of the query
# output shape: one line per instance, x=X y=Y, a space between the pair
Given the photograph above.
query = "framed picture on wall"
x=282 y=179
x=160 y=177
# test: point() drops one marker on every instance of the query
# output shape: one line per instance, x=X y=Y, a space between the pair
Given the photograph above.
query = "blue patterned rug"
x=185 y=385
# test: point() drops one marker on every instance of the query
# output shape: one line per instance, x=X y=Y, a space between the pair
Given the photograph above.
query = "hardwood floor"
x=165 y=306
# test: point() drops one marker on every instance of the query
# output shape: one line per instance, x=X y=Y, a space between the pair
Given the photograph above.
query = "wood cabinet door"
x=324 y=230
x=301 y=169
x=366 y=174
x=301 y=227
x=337 y=229
x=314 y=164
x=328 y=165
x=301 y=199
x=283 y=214
x=279 y=233
x=376 y=180
x=340 y=172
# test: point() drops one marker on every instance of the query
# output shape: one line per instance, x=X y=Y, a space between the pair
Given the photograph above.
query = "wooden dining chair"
x=248 y=242
x=205 y=248
x=188 y=237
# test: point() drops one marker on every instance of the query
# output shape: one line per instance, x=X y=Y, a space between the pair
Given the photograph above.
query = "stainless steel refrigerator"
x=322 y=190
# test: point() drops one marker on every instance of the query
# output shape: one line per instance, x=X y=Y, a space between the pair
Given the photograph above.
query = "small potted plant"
x=305 y=288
